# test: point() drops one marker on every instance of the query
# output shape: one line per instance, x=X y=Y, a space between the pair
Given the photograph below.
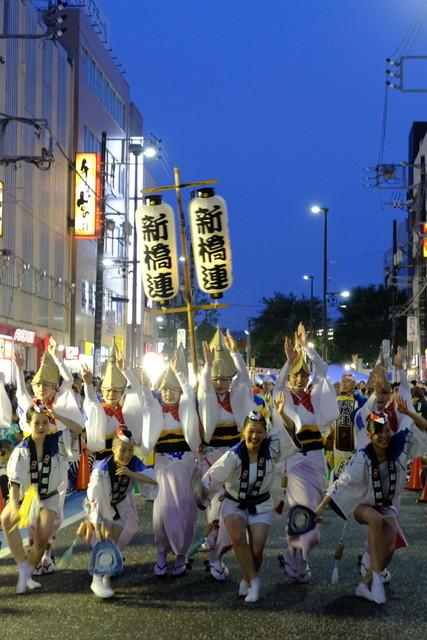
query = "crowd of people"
x=221 y=447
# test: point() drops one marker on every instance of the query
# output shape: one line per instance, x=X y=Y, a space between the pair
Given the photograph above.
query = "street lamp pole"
x=324 y=210
x=311 y=278
x=136 y=150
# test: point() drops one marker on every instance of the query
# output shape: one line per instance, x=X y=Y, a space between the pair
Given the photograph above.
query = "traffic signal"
x=54 y=18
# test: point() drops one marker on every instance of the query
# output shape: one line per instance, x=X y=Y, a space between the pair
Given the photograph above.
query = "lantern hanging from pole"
x=155 y=226
x=211 y=244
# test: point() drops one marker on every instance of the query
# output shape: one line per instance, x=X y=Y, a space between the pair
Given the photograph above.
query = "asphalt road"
x=196 y=607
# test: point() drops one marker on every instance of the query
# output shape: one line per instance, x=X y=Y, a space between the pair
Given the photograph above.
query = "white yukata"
x=222 y=421
x=102 y=421
x=228 y=471
x=395 y=419
x=312 y=415
x=50 y=479
x=65 y=404
x=355 y=486
x=113 y=507
x=173 y=433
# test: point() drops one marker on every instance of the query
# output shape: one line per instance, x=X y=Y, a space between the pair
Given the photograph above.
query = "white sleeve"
x=132 y=407
x=23 y=397
x=18 y=468
x=207 y=403
x=320 y=366
x=404 y=388
x=188 y=414
x=282 y=379
x=352 y=486
x=63 y=371
x=152 y=421
x=281 y=446
x=242 y=370
x=220 y=472
x=95 y=420
x=5 y=407
x=99 y=498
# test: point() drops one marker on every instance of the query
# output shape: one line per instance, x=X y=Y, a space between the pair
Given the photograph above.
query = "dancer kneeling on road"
x=246 y=470
x=373 y=478
x=38 y=466
x=107 y=495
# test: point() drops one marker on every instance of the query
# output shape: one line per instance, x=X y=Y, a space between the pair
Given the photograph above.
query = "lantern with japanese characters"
x=155 y=226
x=211 y=243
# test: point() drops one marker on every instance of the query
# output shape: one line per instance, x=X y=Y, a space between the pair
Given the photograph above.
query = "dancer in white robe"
x=247 y=472
x=171 y=428
x=225 y=400
x=312 y=409
x=59 y=399
x=372 y=480
x=39 y=462
x=109 y=497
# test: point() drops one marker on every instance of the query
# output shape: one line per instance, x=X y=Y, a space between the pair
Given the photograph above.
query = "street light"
x=311 y=278
x=316 y=209
x=137 y=148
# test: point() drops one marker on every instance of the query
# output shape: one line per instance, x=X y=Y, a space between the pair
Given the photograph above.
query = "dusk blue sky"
x=282 y=102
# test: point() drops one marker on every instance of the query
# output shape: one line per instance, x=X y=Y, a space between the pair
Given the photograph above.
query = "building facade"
x=36 y=143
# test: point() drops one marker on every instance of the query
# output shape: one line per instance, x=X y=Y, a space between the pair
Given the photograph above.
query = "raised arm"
x=63 y=370
x=291 y=355
x=320 y=366
x=22 y=394
x=187 y=407
x=242 y=370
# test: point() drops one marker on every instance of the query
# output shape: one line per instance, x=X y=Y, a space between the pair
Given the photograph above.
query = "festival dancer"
x=171 y=428
x=381 y=400
x=225 y=400
x=40 y=461
x=371 y=482
x=59 y=399
x=350 y=400
x=122 y=404
x=312 y=409
x=109 y=498
x=247 y=471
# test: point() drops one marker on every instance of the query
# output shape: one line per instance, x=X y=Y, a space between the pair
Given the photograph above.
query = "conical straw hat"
x=169 y=378
x=379 y=375
x=300 y=363
x=113 y=377
x=48 y=371
x=223 y=365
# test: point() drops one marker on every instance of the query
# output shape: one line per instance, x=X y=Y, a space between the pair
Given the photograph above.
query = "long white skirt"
x=174 y=509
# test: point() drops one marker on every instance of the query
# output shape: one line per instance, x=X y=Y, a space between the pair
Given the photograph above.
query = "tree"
x=365 y=322
x=279 y=318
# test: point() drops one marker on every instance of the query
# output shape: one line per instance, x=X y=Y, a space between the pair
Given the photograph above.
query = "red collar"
x=173 y=409
x=225 y=402
x=117 y=412
x=305 y=400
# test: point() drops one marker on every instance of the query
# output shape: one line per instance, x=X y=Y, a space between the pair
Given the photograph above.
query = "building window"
x=102 y=88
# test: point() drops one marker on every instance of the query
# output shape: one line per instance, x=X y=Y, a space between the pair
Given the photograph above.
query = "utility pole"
x=394 y=292
x=99 y=293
